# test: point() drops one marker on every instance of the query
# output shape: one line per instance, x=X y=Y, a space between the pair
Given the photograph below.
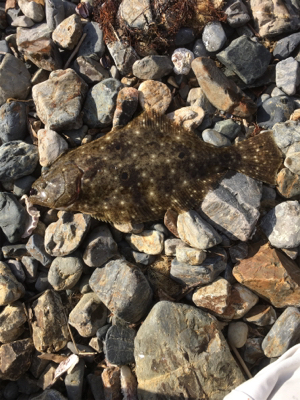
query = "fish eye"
x=32 y=192
x=181 y=154
x=124 y=176
x=118 y=146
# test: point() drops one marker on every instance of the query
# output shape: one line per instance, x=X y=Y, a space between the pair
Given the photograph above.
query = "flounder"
x=137 y=172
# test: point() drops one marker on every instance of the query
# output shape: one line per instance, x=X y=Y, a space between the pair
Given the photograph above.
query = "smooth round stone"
x=152 y=67
x=65 y=272
x=154 y=95
x=274 y=110
x=184 y=36
x=237 y=334
x=215 y=138
x=214 y=36
x=199 y=49
x=228 y=128
x=13 y=121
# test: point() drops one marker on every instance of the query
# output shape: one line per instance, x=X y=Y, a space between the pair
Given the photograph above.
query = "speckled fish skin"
x=136 y=173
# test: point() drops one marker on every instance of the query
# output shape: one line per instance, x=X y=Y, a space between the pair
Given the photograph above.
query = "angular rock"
x=70 y=89
x=187 y=117
x=31 y=268
x=17 y=269
x=247 y=58
x=74 y=381
x=32 y=9
x=127 y=102
x=36 y=44
x=13 y=121
x=284 y=333
x=99 y=247
x=119 y=345
x=152 y=67
x=228 y=128
x=213 y=36
x=65 y=272
x=64 y=236
x=88 y=315
x=252 y=350
x=124 y=56
x=13 y=217
x=280 y=225
x=286 y=134
x=238 y=252
x=35 y=246
x=220 y=91
x=214 y=296
x=189 y=255
x=51 y=145
x=272 y=275
x=154 y=95
x=136 y=13
x=240 y=301
x=237 y=14
x=123 y=289
x=68 y=32
x=10 y=289
x=129 y=227
x=196 y=232
x=49 y=327
x=284 y=47
x=55 y=13
x=274 y=110
x=15 y=359
x=207 y=354
x=100 y=103
x=11 y=67
x=149 y=241
x=111 y=383
x=12 y=320
x=96 y=385
x=90 y=70
x=292 y=162
x=288 y=75
x=93 y=44
x=288 y=183
x=172 y=244
x=261 y=315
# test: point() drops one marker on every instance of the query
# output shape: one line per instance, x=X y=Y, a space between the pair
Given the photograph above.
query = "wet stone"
x=13 y=217
x=36 y=248
x=273 y=110
x=12 y=320
x=10 y=289
x=88 y=315
x=90 y=70
x=215 y=138
x=288 y=75
x=13 y=121
x=205 y=273
x=70 y=89
x=15 y=359
x=65 y=272
x=67 y=34
x=213 y=36
x=17 y=159
x=50 y=331
x=261 y=315
x=156 y=339
x=127 y=102
x=284 y=47
x=93 y=45
x=152 y=67
x=124 y=56
x=237 y=334
x=64 y=236
x=74 y=381
x=99 y=247
x=284 y=333
x=182 y=59
x=247 y=58
x=149 y=241
x=280 y=225
x=51 y=145
x=100 y=103
x=119 y=345
x=154 y=95
x=123 y=289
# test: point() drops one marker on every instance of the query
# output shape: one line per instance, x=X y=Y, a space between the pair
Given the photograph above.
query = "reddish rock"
x=154 y=95
x=15 y=359
x=223 y=93
x=127 y=102
x=288 y=183
x=272 y=275
x=111 y=383
x=170 y=220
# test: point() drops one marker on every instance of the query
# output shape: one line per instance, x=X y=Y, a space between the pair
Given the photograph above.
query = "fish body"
x=136 y=173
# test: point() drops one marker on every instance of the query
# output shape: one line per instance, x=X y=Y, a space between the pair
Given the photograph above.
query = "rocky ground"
x=147 y=311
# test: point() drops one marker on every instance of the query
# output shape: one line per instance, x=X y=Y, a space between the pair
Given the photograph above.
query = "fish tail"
x=258 y=157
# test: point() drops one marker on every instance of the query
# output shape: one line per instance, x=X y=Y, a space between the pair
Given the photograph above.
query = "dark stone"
x=50 y=394
x=23 y=185
x=13 y=217
x=15 y=251
x=286 y=46
x=101 y=332
x=13 y=121
x=96 y=386
x=4 y=48
x=199 y=49
x=93 y=45
x=184 y=36
x=15 y=359
x=119 y=345
x=36 y=248
x=74 y=381
x=273 y=110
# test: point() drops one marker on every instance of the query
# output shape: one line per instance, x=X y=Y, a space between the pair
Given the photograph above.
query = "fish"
x=137 y=172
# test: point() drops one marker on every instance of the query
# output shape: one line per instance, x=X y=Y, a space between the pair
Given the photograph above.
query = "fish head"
x=57 y=188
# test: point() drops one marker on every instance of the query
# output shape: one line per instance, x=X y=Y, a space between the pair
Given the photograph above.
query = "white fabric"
x=278 y=381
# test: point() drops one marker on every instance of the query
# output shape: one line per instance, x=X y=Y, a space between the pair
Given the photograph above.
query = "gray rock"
x=70 y=89
x=65 y=272
x=177 y=341
x=205 y=273
x=247 y=58
x=136 y=13
x=17 y=269
x=123 y=289
x=292 y=161
x=27 y=385
x=231 y=211
x=171 y=245
x=142 y=258
x=88 y=315
x=17 y=159
x=284 y=334
x=199 y=49
x=93 y=44
x=13 y=125
x=82 y=349
x=184 y=36
x=11 y=391
x=12 y=320
x=190 y=256
x=252 y=350
x=119 y=345
x=238 y=252
x=15 y=251
x=280 y=225
x=74 y=381
x=15 y=359
x=213 y=36
x=261 y=315
x=31 y=268
x=274 y=110
x=11 y=87
x=286 y=134
x=49 y=394
x=100 y=103
x=237 y=14
x=67 y=34
x=96 y=386
x=288 y=75
x=75 y=136
x=284 y=47
x=23 y=22
x=124 y=56
x=228 y=128
x=197 y=97
x=4 y=48
x=42 y=283
x=237 y=334
x=99 y=247
x=55 y=13
x=13 y=217
x=215 y=138
x=90 y=70
x=32 y=10
x=51 y=145
x=277 y=92
x=35 y=246
x=152 y=67
x=11 y=289
x=23 y=185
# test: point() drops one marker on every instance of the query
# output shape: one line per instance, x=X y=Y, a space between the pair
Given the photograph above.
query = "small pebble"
x=237 y=334
x=154 y=95
x=215 y=138
x=213 y=36
x=182 y=59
